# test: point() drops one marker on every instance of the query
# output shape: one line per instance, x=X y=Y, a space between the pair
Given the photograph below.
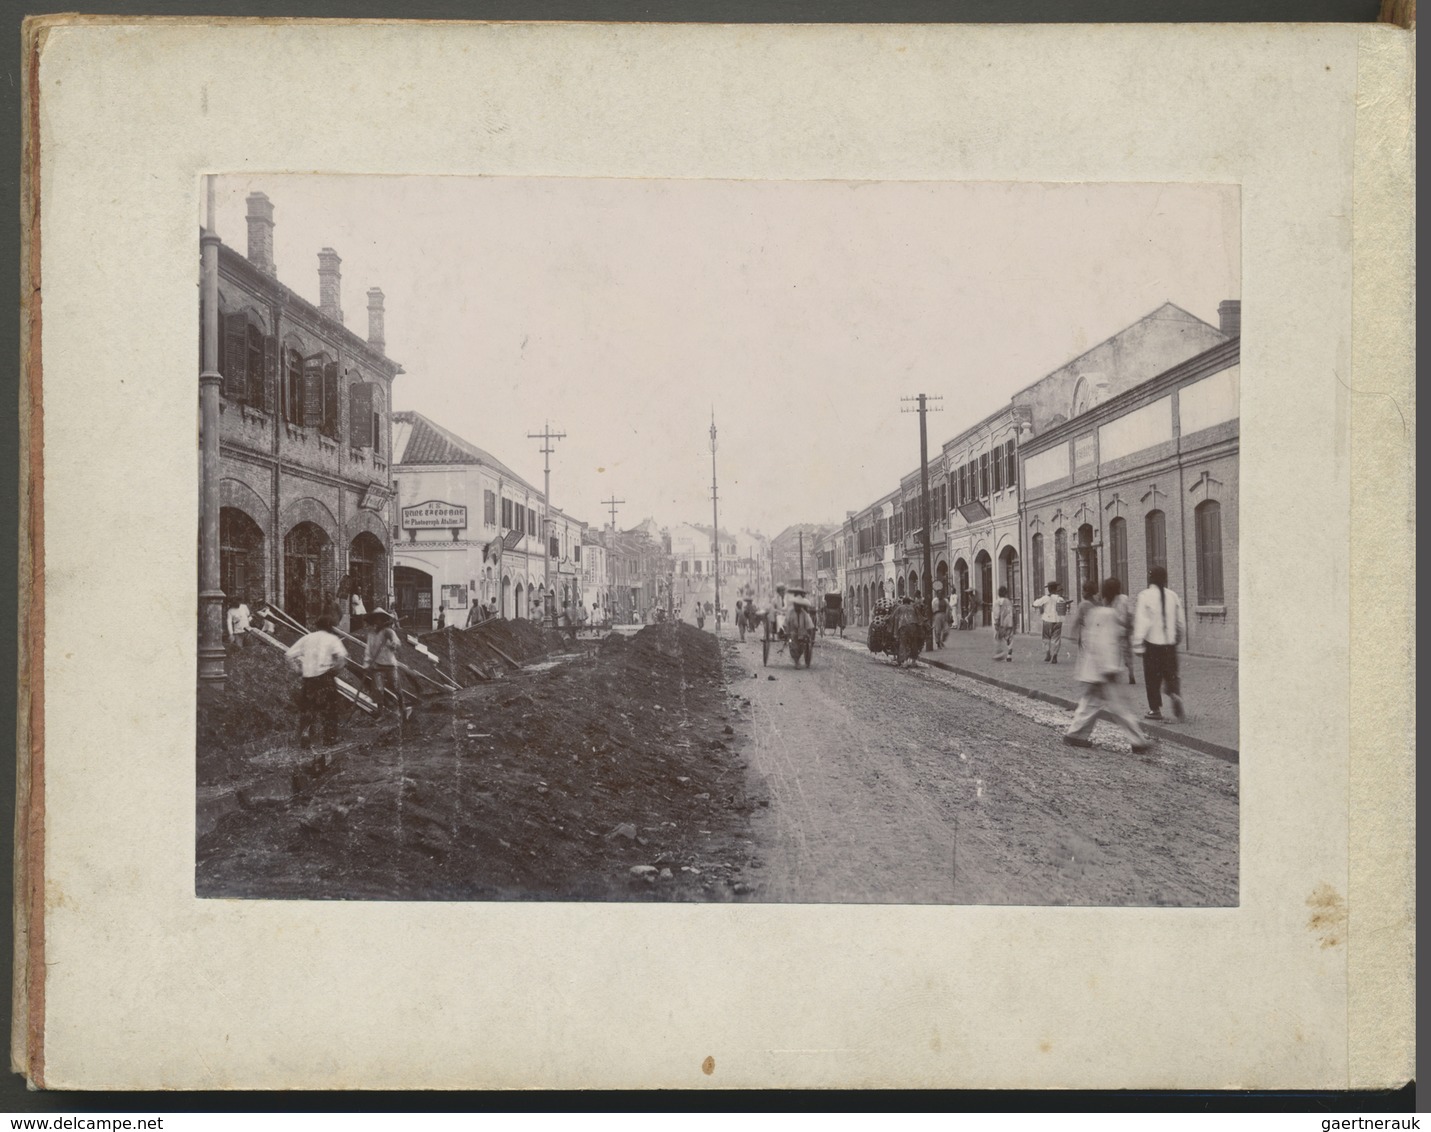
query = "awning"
x=973 y=511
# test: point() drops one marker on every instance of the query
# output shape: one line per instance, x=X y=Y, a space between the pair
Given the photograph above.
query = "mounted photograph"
x=801 y=542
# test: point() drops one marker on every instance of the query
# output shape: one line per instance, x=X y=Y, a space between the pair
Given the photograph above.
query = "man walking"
x=1050 y=608
x=941 y=619
x=1159 y=627
x=318 y=657
x=1100 y=661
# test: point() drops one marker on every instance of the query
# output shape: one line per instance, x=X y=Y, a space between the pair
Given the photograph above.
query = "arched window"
x=1155 y=533
x=1209 y=552
x=1087 y=558
x=1060 y=560
x=1118 y=551
x=1036 y=551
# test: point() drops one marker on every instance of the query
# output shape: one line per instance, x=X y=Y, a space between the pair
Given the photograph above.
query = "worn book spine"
x=27 y=1049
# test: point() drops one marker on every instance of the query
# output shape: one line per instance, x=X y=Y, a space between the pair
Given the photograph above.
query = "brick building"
x=305 y=435
x=1146 y=478
x=983 y=535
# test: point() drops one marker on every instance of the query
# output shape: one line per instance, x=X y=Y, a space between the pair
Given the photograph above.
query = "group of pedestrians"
x=1110 y=631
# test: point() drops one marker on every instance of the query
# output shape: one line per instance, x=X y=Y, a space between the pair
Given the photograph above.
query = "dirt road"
x=918 y=786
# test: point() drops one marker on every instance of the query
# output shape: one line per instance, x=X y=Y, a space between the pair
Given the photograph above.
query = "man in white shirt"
x=239 y=621
x=318 y=657
x=1159 y=626
x=1051 y=608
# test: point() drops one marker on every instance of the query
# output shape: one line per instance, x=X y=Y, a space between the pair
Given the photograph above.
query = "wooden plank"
x=499 y=652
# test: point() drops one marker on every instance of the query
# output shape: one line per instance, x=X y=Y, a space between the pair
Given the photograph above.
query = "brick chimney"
x=1229 y=316
x=330 y=283
x=376 y=338
x=260 y=233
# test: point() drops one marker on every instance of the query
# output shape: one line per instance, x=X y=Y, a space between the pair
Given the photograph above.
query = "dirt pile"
x=258 y=700
x=459 y=650
x=613 y=777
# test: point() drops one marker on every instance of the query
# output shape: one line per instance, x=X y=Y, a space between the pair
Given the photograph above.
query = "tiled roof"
x=429 y=443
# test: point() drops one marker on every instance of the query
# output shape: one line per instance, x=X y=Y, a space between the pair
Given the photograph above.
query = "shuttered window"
x=313 y=392
x=983 y=475
x=270 y=374
x=233 y=362
x=254 y=391
x=1209 y=552
x=1060 y=560
x=1011 y=465
x=330 y=400
x=489 y=509
x=292 y=387
x=360 y=414
x=996 y=468
x=1036 y=550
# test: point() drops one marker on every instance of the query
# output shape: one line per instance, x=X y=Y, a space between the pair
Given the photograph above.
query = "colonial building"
x=981 y=463
x=305 y=435
x=469 y=529
x=1148 y=477
x=871 y=572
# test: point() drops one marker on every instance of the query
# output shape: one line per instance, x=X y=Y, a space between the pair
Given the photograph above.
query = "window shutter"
x=330 y=400
x=312 y=392
x=235 y=351
x=270 y=373
x=360 y=414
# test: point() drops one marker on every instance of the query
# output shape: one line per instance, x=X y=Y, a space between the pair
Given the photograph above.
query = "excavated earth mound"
x=613 y=776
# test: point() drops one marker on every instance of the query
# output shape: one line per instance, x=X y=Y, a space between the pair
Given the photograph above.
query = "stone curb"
x=1216 y=750
x=1205 y=746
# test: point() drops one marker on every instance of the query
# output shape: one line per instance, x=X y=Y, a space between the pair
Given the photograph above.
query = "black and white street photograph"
x=799 y=542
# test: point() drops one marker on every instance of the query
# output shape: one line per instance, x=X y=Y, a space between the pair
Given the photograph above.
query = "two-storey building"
x=468 y=529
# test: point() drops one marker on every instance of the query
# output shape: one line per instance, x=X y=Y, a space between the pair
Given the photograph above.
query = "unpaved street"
x=915 y=786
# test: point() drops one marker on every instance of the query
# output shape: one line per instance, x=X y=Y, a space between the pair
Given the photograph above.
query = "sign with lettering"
x=1084 y=450
x=434 y=514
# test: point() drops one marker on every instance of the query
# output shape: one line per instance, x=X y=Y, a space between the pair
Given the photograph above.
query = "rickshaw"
x=834 y=613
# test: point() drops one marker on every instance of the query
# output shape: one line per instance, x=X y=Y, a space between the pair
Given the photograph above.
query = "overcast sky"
x=623 y=311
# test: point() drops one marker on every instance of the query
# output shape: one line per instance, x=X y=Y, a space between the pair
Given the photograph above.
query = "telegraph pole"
x=928 y=590
x=715 y=522
x=611 y=505
x=802 y=559
x=213 y=657
x=547 y=436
